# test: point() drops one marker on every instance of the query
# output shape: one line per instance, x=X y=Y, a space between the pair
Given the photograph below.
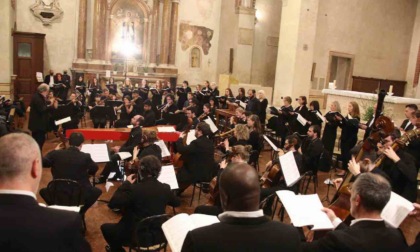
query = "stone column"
x=154 y=34
x=164 y=45
x=174 y=30
x=97 y=31
x=81 y=34
x=104 y=9
x=107 y=33
x=296 y=49
x=145 y=42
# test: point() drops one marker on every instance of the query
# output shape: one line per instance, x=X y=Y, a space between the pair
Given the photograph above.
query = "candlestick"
x=390 y=89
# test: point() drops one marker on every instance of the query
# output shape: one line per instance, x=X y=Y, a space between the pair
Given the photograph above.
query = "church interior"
x=325 y=50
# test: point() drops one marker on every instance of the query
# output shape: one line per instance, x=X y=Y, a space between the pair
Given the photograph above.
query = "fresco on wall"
x=205 y=8
x=191 y=35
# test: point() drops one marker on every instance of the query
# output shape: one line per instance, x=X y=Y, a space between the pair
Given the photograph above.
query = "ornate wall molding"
x=47 y=10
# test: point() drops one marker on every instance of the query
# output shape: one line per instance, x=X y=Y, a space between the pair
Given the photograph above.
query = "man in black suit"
x=368 y=232
x=50 y=79
x=133 y=140
x=139 y=200
x=198 y=158
x=39 y=114
x=242 y=226
x=148 y=115
x=312 y=149
x=25 y=225
x=409 y=111
x=72 y=164
x=253 y=104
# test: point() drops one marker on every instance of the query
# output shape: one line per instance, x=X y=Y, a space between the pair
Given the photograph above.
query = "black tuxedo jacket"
x=149 y=118
x=146 y=198
x=71 y=164
x=198 y=157
x=363 y=236
x=404 y=124
x=253 y=106
x=39 y=113
x=311 y=152
x=243 y=234
x=133 y=140
x=26 y=226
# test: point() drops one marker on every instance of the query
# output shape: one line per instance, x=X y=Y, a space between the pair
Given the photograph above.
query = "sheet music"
x=167 y=176
x=302 y=120
x=320 y=116
x=191 y=136
x=305 y=210
x=242 y=104
x=65 y=208
x=162 y=145
x=213 y=127
x=289 y=167
x=107 y=73
x=108 y=185
x=39 y=77
x=176 y=228
x=98 y=152
x=61 y=121
x=166 y=129
x=275 y=148
x=396 y=210
x=124 y=155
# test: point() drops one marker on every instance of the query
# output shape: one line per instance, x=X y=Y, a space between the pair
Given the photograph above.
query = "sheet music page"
x=396 y=210
x=275 y=148
x=191 y=136
x=176 y=228
x=242 y=104
x=162 y=145
x=305 y=210
x=64 y=120
x=302 y=120
x=108 y=185
x=289 y=168
x=167 y=176
x=320 y=116
x=66 y=208
x=213 y=127
x=39 y=77
x=98 y=152
x=166 y=129
x=124 y=155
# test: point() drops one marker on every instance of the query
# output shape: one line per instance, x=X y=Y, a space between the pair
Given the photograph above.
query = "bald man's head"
x=19 y=154
x=239 y=188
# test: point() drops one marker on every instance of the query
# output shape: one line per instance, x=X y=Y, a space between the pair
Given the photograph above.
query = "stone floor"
x=99 y=213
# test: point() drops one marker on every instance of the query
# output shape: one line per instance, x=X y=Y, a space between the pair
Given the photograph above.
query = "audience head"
x=43 y=89
x=150 y=166
x=202 y=129
x=241 y=132
x=369 y=195
x=314 y=105
x=20 y=162
x=314 y=132
x=335 y=107
x=239 y=188
x=353 y=109
x=76 y=139
x=409 y=109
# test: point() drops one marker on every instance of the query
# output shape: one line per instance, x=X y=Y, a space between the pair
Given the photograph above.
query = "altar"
x=394 y=106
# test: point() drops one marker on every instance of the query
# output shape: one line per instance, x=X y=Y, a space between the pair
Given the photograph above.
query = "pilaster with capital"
x=154 y=33
x=174 y=30
x=81 y=33
x=96 y=40
x=164 y=49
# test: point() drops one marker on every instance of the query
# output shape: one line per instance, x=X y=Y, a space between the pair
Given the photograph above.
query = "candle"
x=390 y=89
x=335 y=84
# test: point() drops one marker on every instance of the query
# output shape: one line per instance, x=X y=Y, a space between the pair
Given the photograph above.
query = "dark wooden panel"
x=24 y=86
x=372 y=85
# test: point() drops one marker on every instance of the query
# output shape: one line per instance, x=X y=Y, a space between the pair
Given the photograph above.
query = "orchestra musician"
x=140 y=196
x=368 y=232
x=182 y=93
x=168 y=108
x=75 y=165
x=263 y=106
x=60 y=88
x=292 y=143
x=406 y=124
x=128 y=146
x=312 y=149
x=137 y=102
x=190 y=114
x=147 y=146
x=188 y=102
x=198 y=158
x=148 y=114
x=94 y=88
x=253 y=104
x=349 y=129
x=255 y=132
x=127 y=113
x=157 y=97
x=97 y=114
x=40 y=113
x=76 y=112
x=80 y=86
x=240 y=137
x=206 y=113
x=330 y=130
x=213 y=106
x=239 y=118
x=105 y=94
x=369 y=124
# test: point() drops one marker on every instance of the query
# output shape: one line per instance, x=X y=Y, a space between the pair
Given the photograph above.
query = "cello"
x=177 y=160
